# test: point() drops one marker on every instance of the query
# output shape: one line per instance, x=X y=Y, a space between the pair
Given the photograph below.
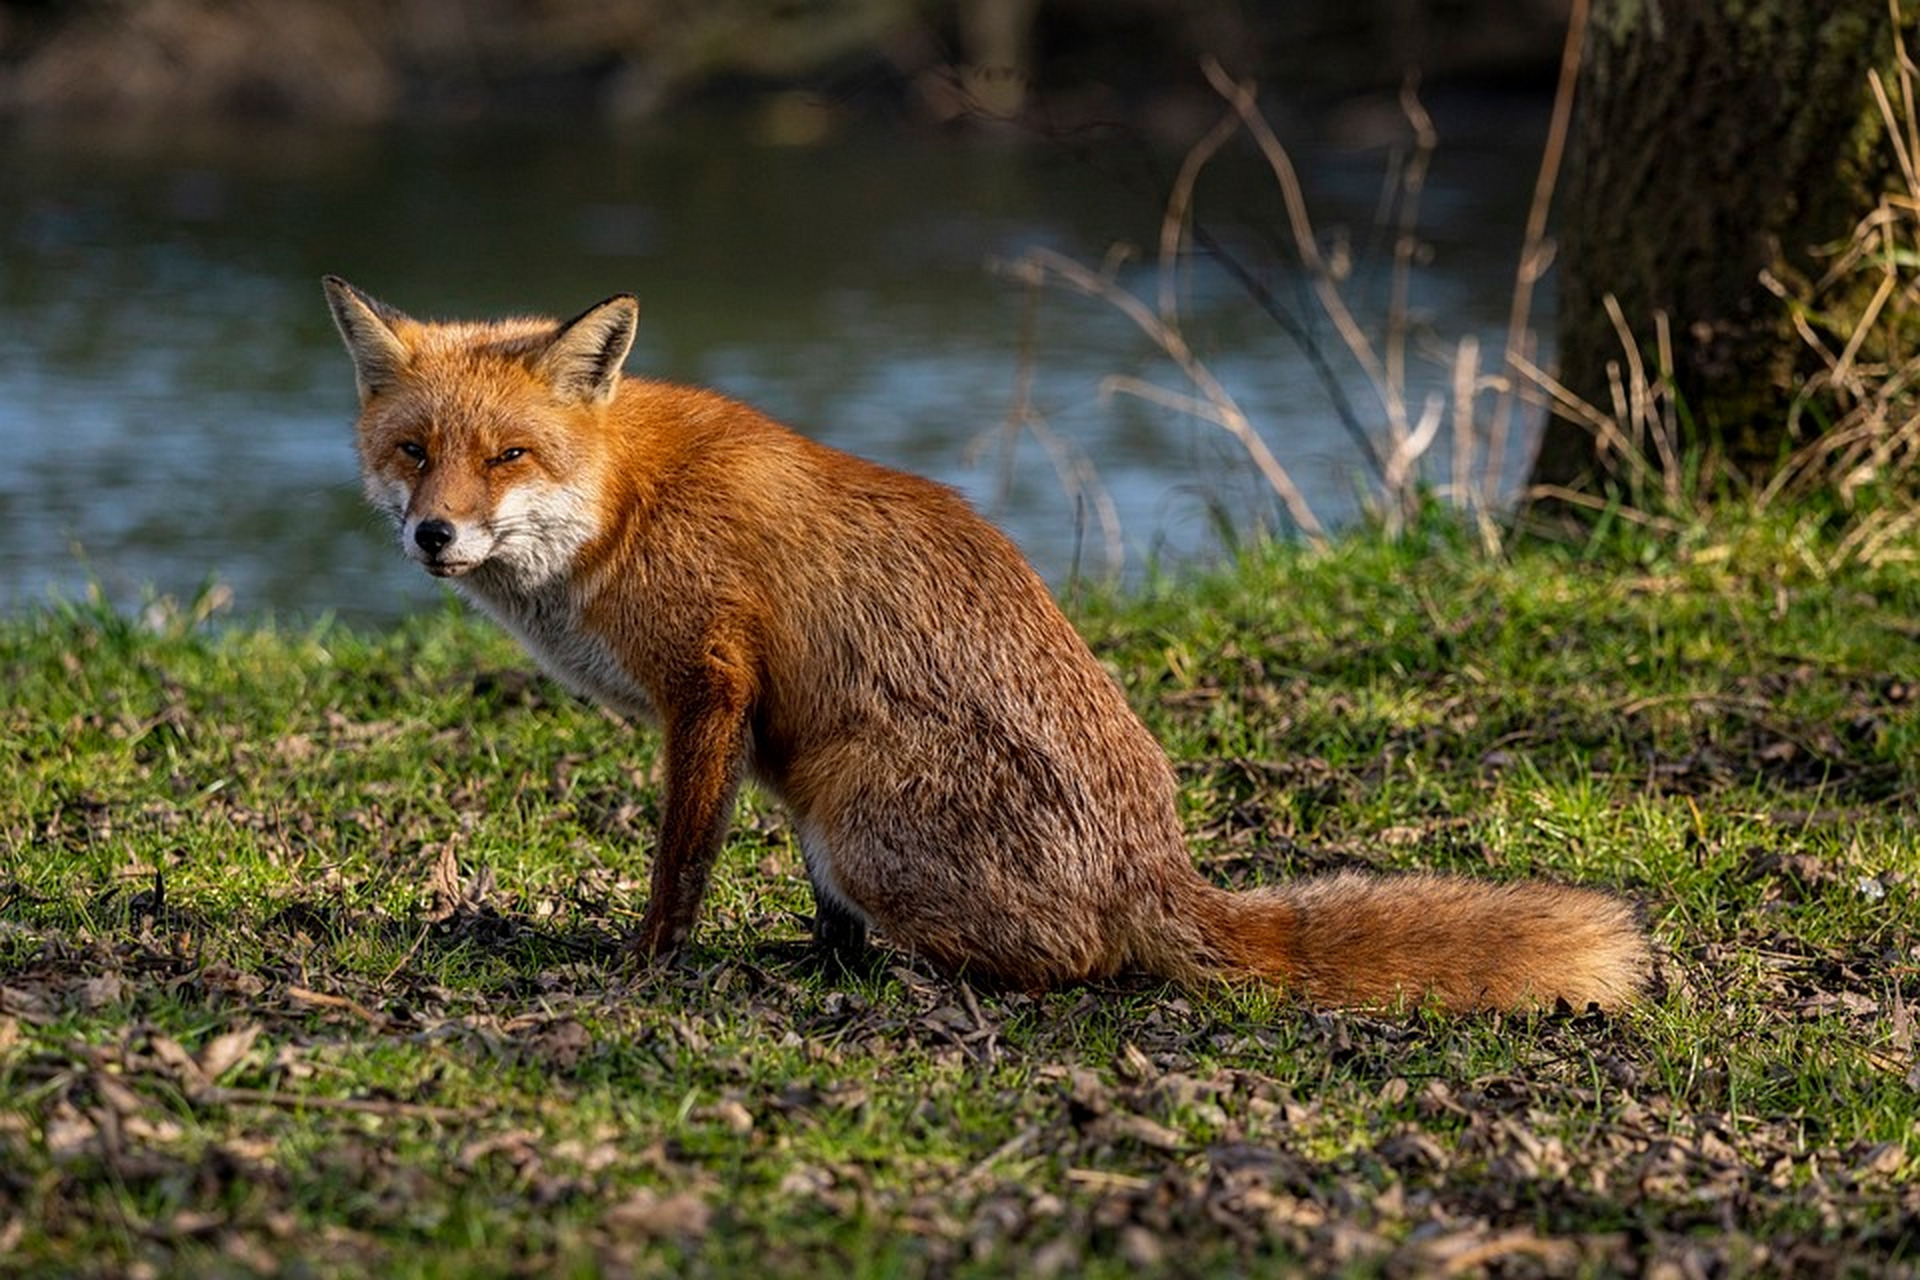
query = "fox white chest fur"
x=546 y=620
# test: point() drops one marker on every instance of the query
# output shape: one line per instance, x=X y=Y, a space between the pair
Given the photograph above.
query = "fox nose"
x=432 y=536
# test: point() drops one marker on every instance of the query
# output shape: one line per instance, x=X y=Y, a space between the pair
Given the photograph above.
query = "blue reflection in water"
x=174 y=405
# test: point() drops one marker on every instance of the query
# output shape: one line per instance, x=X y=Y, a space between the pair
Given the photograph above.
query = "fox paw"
x=656 y=943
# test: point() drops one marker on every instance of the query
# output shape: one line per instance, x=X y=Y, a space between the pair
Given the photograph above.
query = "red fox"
x=963 y=775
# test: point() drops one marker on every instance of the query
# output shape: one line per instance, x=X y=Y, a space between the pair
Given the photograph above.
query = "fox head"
x=479 y=440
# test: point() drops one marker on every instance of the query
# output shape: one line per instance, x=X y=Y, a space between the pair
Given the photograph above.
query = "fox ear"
x=583 y=361
x=367 y=326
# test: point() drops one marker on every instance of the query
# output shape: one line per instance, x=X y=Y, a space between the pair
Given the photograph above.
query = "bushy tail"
x=1356 y=940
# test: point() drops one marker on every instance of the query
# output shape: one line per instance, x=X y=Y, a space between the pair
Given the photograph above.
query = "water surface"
x=175 y=408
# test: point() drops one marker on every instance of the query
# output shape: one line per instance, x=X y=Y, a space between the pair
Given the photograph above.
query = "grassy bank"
x=309 y=954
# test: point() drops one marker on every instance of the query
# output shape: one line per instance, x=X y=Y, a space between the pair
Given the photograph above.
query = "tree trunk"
x=1714 y=141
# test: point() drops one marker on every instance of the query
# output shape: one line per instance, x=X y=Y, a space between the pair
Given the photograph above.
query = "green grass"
x=309 y=954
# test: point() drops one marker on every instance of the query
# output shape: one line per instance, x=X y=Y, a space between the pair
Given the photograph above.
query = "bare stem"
x=1223 y=410
x=1534 y=252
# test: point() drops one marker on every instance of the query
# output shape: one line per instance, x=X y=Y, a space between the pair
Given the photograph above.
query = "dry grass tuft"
x=1860 y=411
x=1392 y=433
x=1859 y=415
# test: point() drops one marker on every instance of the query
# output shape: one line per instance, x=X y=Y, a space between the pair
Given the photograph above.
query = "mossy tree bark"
x=1714 y=141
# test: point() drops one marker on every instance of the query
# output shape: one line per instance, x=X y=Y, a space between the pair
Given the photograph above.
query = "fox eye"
x=416 y=452
x=506 y=455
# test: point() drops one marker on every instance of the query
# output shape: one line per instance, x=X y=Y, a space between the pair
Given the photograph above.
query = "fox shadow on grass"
x=441 y=943
x=143 y=927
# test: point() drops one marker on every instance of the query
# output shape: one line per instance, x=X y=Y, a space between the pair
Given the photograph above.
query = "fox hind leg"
x=839 y=927
x=838 y=931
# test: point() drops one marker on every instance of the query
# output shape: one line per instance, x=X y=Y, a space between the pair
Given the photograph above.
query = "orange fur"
x=963 y=774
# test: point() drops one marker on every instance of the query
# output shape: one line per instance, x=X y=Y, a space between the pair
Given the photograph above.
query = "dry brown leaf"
x=295 y=748
x=646 y=1212
x=592 y=1156
x=1132 y=1065
x=99 y=992
x=443 y=883
x=733 y=1115
x=69 y=1133
x=117 y=1095
x=1468 y=1251
x=1142 y=1249
x=305 y=996
x=173 y=1056
x=562 y=1043
x=191 y=1222
x=226 y=1051
x=807 y=1180
x=1146 y=1132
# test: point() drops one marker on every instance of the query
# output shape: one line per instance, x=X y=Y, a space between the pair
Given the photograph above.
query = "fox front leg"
x=706 y=749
